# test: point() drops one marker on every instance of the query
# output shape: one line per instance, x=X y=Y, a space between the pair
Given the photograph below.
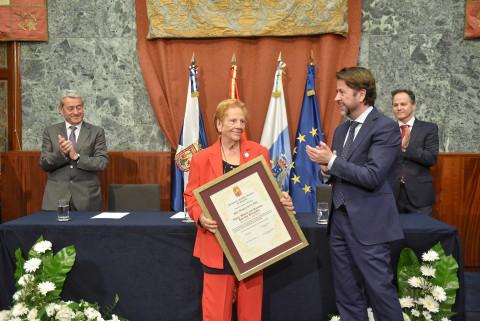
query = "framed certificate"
x=254 y=228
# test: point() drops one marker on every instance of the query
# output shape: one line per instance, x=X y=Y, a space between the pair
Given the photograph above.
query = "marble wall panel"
x=388 y=61
x=71 y=19
x=92 y=49
x=416 y=44
x=115 y=18
x=424 y=16
x=379 y=17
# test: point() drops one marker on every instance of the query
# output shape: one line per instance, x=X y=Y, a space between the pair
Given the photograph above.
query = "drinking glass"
x=186 y=218
x=322 y=212
x=63 y=212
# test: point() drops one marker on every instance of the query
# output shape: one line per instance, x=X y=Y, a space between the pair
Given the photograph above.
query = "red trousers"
x=218 y=295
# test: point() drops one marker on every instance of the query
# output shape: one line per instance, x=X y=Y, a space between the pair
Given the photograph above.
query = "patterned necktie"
x=72 y=136
x=338 y=197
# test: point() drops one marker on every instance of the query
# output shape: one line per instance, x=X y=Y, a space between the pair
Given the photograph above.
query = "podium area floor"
x=472 y=296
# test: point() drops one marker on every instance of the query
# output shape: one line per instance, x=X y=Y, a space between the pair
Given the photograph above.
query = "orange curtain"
x=165 y=62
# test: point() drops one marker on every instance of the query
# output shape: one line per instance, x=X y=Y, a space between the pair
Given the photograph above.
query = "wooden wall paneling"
x=14 y=113
x=448 y=182
x=138 y=168
x=456 y=179
x=11 y=189
x=23 y=181
x=471 y=206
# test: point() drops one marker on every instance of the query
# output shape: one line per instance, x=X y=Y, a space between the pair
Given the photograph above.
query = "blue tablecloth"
x=146 y=258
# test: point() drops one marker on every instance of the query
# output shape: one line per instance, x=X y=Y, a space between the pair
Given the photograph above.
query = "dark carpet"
x=472 y=296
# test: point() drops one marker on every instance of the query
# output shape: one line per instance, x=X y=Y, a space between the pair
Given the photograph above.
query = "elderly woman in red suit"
x=220 y=286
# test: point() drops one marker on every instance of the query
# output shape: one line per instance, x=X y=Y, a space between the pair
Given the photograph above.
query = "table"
x=146 y=258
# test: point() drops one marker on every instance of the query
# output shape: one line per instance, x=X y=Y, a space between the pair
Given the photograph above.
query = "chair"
x=134 y=197
x=324 y=194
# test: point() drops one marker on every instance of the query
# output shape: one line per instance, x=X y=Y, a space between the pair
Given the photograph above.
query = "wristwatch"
x=78 y=158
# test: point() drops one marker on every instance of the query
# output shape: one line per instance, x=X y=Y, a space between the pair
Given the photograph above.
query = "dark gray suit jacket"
x=70 y=179
x=415 y=163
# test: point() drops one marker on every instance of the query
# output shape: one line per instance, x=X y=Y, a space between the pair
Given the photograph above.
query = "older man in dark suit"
x=364 y=215
x=413 y=184
x=73 y=163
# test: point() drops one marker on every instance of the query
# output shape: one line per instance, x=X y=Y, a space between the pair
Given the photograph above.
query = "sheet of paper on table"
x=111 y=215
x=180 y=215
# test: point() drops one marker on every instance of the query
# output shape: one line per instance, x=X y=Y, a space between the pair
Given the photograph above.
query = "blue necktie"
x=72 y=136
x=338 y=197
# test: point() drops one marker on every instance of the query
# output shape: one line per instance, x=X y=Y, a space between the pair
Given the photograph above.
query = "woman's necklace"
x=227 y=167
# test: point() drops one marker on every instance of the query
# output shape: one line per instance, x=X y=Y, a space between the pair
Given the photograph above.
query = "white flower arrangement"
x=426 y=291
x=39 y=282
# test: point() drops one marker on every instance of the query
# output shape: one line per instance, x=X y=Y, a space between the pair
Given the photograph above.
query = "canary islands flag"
x=275 y=134
x=304 y=174
x=192 y=139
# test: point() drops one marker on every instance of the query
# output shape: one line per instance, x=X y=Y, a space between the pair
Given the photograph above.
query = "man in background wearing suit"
x=364 y=216
x=73 y=163
x=413 y=184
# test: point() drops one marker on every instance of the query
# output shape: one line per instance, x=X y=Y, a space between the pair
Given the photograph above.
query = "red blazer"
x=206 y=165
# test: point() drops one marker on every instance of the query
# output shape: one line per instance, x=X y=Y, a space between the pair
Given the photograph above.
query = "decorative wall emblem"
x=472 y=19
x=23 y=20
x=184 y=158
x=240 y=18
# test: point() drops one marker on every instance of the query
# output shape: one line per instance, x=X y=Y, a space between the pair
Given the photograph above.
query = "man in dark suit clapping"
x=73 y=151
x=364 y=215
x=413 y=184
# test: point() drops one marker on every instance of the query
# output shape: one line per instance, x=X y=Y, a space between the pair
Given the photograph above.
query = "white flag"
x=275 y=136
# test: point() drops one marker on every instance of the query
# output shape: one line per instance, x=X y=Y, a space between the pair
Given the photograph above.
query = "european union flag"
x=304 y=174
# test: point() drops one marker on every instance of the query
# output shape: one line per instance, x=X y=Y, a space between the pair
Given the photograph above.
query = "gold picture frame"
x=254 y=229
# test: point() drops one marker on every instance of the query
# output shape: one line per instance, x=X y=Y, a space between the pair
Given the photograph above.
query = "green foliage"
x=408 y=266
x=19 y=271
x=56 y=267
x=107 y=312
x=446 y=277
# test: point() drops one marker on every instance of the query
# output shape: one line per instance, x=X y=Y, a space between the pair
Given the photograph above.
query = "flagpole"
x=233 y=90
x=233 y=79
